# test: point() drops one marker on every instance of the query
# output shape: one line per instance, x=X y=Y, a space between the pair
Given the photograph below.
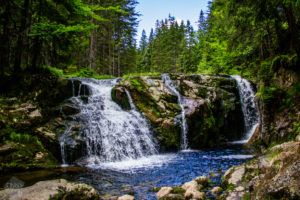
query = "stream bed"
x=140 y=176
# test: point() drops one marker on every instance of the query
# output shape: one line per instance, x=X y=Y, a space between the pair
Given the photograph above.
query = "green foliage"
x=247 y=196
x=55 y=71
x=151 y=74
x=250 y=38
x=68 y=32
x=24 y=148
x=82 y=72
x=268 y=94
x=23 y=138
x=296 y=128
x=169 y=48
x=137 y=85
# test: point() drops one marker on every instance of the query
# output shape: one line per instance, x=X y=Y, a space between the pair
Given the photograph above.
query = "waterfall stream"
x=111 y=133
x=250 y=112
x=184 y=127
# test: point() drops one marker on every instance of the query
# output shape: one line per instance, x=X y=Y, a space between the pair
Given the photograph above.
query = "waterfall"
x=184 y=127
x=250 y=112
x=111 y=133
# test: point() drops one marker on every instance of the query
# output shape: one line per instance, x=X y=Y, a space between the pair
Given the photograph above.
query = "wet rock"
x=216 y=191
x=234 y=175
x=191 y=193
x=39 y=156
x=255 y=136
x=193 y=185
x=44 y=132
x=126 y=197
x=69 y=109
x=202 y=180
x=119 y=96
x=239 y=189
x=211 y=105
x=6 y=149
x=14 y=183
x=36 y=114
x=44 y=190
x=174 y=197
x=235 y=195
x=163 y=192
x=274 y=175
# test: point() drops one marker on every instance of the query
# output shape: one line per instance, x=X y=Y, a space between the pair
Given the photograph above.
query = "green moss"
x=150 y=74
x=136 y=83
x=24 y=148
x=88 y=73
x=74 y=71
x=178 y=190
x=143 y=100
x=155 y=189
x=55 y=71
x=75 y=194
x=296 y=127
x=202 y=92
x=247 y=196
x=269 y=94
x=230 y=187
x=169 y=137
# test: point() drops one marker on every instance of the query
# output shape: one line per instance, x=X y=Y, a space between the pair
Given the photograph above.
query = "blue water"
x=141 y=176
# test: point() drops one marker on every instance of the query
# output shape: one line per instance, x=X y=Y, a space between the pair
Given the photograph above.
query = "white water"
x=250 y=112
x=184 y=127
x=111 y=134
x=131 y=165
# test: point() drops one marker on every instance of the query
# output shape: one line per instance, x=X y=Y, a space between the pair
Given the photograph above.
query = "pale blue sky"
x=151 y=10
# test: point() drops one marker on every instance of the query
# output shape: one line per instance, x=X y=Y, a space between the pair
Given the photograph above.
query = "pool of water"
x=142 y=175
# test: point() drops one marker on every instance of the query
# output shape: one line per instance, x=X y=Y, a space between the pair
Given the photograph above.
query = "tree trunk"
x=21 y=37
x=5 y=38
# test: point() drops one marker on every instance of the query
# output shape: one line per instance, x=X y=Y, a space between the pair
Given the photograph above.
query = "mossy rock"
x=119 y=96
x=27 y=152
x=169 y=135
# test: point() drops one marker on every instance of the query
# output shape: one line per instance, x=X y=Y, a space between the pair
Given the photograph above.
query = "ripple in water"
x=141 y=175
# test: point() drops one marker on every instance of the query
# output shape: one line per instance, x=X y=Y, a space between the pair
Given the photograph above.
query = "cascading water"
x=111 y=134
x=250 y=112
x=184 y=127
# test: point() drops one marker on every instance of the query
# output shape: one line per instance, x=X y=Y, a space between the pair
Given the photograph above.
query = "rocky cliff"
x=31 y=120
x=211 y=104
x=275 y=173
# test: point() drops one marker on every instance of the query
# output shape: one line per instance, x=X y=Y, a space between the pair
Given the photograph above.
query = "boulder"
x=191 y=193
x=216 y=191
x=126 y=197
x=174 y=197
x=163 y=192
x=119 y=96
x=191 y=185
x=36 y=114
x=202 y=180
x=45 y=189
x=6 y=149
x=69 y=109
x=234 y=175
x=298 y=138
x=235 y=195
